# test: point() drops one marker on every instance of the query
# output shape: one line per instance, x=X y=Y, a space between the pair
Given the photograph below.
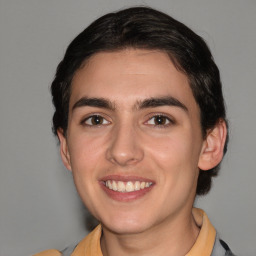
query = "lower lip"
x=125 y=196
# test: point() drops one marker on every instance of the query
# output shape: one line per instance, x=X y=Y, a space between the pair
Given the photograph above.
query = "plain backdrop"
x=39 y=206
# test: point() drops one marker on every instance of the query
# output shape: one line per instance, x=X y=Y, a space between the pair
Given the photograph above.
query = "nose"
x=125 y=149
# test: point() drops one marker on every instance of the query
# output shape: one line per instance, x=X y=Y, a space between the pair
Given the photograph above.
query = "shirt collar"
x=90 y=245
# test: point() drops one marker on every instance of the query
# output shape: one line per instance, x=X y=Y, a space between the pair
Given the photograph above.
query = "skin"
x=129 y=142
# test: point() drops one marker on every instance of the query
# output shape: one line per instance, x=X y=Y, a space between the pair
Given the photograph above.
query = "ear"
x=64 y=152
x=213 y=146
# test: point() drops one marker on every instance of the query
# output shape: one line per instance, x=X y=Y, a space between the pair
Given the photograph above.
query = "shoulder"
x=221 y=248
x=51 y=252
x=89 y=246
x=66 y=252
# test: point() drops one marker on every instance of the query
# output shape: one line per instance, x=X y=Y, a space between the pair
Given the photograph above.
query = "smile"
x=128 y=186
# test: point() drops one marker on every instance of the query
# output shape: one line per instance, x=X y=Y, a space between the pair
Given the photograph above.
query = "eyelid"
x=87 y=117
x=154 y=115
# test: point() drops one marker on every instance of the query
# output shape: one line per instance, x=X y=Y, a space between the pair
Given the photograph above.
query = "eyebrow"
x=94 y=102
x=162 y=101
x=147 y=103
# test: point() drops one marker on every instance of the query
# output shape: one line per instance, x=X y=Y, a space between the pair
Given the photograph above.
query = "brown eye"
x=96 y=120
x=159 y=120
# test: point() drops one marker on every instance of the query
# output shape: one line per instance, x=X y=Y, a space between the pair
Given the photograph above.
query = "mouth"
x=127 y=186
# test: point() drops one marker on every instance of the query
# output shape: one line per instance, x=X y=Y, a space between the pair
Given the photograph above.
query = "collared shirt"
x=90 y=245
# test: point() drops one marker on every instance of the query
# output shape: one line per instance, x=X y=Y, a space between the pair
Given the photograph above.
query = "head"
x=148 y=29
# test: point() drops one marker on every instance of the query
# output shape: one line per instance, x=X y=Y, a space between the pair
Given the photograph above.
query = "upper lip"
x=125 y=178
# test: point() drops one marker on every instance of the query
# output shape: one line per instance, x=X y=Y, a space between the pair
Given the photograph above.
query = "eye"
x=159 y=120
x=96 y=120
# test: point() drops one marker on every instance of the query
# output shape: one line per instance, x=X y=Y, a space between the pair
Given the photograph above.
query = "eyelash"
x=159 y=115
x=106 y=122
x=83 y=122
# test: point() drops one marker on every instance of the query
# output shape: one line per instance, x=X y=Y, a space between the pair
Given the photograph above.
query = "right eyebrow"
x=161 y=101
x=93 y=102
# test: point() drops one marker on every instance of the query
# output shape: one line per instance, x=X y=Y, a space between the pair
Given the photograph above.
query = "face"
x=134 y=139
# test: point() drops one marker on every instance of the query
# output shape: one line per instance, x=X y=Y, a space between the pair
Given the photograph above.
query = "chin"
x=125 y=229
x=126 y=224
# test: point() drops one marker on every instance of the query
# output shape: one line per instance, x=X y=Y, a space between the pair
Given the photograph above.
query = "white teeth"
x=120 y=186
x=129 y=186
x=114 y=186
x=137 y=185
x=109 y=184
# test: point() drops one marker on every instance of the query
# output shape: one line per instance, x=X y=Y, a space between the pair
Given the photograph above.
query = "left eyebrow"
x=158 y=102
x=93 y=102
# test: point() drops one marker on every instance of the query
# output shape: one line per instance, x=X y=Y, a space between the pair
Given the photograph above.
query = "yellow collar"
x=206 y=238
x=90 y=245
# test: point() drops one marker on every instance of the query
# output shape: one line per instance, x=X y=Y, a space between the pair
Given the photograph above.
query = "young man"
x=140 y=117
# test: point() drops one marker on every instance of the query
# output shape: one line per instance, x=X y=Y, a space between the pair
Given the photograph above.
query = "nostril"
x=124 y=156
x=124 y=148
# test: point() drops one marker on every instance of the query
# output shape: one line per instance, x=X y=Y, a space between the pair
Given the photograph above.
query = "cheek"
x=175 y=164
x=177 y=157
x=176 y=148
x=86 y=153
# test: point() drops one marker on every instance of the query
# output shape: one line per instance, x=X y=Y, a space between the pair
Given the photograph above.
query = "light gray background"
x=39 y=207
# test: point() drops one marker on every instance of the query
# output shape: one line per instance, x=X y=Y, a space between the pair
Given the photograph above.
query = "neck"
x=174 y=236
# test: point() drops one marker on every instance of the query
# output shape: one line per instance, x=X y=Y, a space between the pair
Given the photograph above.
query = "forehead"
x=130 y=74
